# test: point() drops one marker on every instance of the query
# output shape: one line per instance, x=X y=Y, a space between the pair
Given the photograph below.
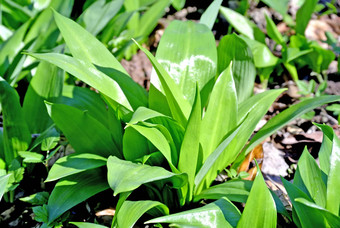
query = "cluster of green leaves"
x=296 y=50
x=29 y=26
x=314 y=191
x=165 y=147
x=159 y=151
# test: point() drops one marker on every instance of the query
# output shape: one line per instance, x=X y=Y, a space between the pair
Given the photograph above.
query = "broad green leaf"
x=87 y=225
x=124 y=176
x=143 y=113
x=333 y=183
x=263 y=57
x=193 y=58
x=209 y=16
x=260 y=208
x=179 y=106
x=303 y=215
x=218 y=119
x=234 y=190
x=242 y=24
x=3 y=183
x=16 y=135
x=46 y=84
x=311 y=177
x=99 y=14
x=239 y=22
x=139 y=148
x=135 y=94
x=229 y=155
x=326 y=147
x=49 y=134
x=314 y=209
x=303 y=15
x=31 y=157
x=44 y=29
x=156 y=137
x=288 y=115
x=221 y=213
x=74 y=163
x=11 y=47
x=233 y=49
x=294 y=53
x=189 y=153
x=87 y=73
x=273 y=32
x=84 y=46
x=131 y=211
x=39 y=198
x=213 y=159
x=85 y=99
x=73 y=190
x=279 y=6
x=86 y=134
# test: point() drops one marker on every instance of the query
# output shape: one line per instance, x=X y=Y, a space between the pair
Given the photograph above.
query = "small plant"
x=172 y=145
x=314 y=191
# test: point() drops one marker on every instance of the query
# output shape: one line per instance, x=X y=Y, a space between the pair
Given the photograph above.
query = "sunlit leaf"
x=221 y=213
x=124 y=176
x=209 y=16
x=131 y=211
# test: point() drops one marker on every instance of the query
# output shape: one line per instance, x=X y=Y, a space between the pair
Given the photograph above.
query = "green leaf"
x=156 y=137
x=288 y=115
x=31 y=157
x=16 y=136
x=294 y=53
x=326 y=147
x=256 y=113
x=3 y=183
x=189 y=153
x=11 y=47
x=180 y=108
x=79 y=128
x=217 y=122
x=39 y=198
x=234 y=190
x=193 y=58
x=263 y=57
x=233 y=49
x=87 y=73
x=221 y=213
x=85 y=100
x=303 y=15
x=303 y=215
x=84 y=46
x=279 y=6
x=143 y=114
x=260 y=201
x=74 y=163
x=131 y=211
x=46 y=84
x=73 y=190
x=87 y=225
x=209 y=16
x=311 y=177
x=333 y=183
x=213 y=160
x=135 y=94
x=273 y=32
x=136 y=150
x=178 y=4
x=99 y=14
x=124 y=176
x=150 y=17
x=242 y=24
x=316 y=210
